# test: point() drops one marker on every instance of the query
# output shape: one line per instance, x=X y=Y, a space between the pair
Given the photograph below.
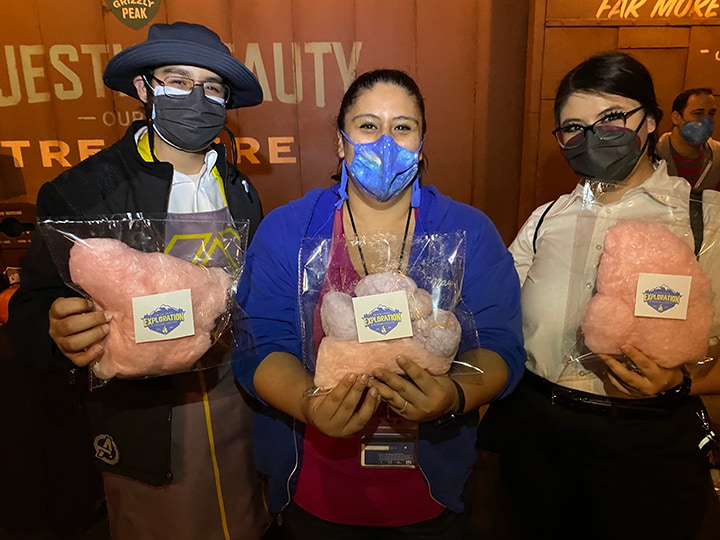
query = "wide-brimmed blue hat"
x=187 y=44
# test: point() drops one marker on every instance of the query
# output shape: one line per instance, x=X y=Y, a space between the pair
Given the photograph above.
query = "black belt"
x=616 y=407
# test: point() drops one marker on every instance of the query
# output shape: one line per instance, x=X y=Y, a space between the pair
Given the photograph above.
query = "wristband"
x=682 y=389
x=460 y=409
x=461 y=399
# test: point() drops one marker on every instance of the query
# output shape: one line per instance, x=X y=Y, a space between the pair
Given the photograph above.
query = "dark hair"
x=612 y=73
x=680 y=101
x=367 y=81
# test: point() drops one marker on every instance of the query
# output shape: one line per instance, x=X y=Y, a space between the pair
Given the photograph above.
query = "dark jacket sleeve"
x=40 y=286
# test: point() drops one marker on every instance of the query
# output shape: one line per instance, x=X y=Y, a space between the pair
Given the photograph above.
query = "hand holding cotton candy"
x=113 y=273
x=436 y=335
x=631 y=248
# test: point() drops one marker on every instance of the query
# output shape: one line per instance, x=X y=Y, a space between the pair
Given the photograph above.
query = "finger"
x=63 y=307
x=637 y=356
x=81 y=343
x=346 y=401
x=363 y=415
x=399 y=387
x=85 y=357
x=617 y=384
x=76 y=324
x=419 y=376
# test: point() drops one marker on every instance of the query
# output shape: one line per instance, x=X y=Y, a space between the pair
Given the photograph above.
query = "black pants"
x=577 y=474
x=297 y=524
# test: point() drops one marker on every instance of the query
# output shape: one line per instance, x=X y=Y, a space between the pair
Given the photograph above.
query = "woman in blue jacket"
x=310 y=447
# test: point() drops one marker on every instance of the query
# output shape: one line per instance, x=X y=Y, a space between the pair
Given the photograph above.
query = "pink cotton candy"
x=436 y=333
x=113 y=273
x=336 y=358
x=609 y=322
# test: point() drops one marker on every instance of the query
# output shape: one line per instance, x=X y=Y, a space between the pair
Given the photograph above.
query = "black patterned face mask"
x=188 y=122
x=607 y=155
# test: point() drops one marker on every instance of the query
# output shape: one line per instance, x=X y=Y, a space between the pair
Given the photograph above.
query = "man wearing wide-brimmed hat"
x=174 y=450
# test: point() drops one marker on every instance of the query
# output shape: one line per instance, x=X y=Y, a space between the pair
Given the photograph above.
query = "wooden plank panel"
x=703 y=62
x=653 y=37
x=567 y=47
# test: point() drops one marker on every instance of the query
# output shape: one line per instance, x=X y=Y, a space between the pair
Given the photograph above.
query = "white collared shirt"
x=559 y=279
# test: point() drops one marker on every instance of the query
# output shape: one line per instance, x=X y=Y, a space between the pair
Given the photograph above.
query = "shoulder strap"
x=537 y=227
x=696 y=220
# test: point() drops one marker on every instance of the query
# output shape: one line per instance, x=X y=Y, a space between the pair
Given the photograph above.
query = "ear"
x=340 y=145
x=141 y=88
x=676 y=118
x=651 y=124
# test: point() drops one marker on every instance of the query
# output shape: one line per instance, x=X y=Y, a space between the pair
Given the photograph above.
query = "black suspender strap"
x=696 y=220
x=537 y=227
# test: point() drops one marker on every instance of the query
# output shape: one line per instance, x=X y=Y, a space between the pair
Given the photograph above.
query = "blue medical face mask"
x=697 y=132
x=382 y=169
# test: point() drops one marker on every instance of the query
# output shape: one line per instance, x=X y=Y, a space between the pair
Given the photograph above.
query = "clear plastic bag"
x=635 y=280
x=353 y=323
x=169 y=283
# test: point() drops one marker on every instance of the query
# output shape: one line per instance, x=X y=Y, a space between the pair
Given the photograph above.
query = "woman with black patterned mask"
x=596 y=445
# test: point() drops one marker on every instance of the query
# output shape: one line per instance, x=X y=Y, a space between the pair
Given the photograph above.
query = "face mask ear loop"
x=415 y=198
x=342 y=191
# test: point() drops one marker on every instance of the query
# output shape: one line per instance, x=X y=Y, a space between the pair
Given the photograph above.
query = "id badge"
x=390 y=445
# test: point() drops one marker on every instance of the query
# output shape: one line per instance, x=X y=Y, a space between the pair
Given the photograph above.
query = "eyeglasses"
x=216 y=91
x=607 y=128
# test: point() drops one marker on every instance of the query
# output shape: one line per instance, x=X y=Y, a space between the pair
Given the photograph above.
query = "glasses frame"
x=226 y=98
x=592 y=127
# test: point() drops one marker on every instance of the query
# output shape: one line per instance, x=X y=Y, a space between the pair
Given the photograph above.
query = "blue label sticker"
x=382 y=319
x=661 y=298
x=164 y=319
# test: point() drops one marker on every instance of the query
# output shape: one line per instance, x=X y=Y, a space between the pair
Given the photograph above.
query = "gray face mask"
x=188 y=122
x=608 y=155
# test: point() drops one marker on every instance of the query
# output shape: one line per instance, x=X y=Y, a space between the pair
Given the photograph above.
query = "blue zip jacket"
x=268 y=291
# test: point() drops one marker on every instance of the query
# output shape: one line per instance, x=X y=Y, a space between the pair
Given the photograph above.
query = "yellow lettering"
x=318 y=49
x=89 y=147
x=682 y=12
x=349 y=67
x=280 y=89
x=95 y=52
x=277 y=147
x=13 y=76
x=617 y=9
x=603 y=7
x=30 y=73
x=75 y=90
x=247 y=147
x=633 y=8
x=54 y=150
x=254 y=62
x=663 y=8
x=15 y=150
x=711 y=10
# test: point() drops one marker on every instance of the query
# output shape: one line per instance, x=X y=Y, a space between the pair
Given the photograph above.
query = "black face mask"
x=189 y=122
x=609 y=156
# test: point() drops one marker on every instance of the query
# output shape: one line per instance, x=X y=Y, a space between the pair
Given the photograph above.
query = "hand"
x=78 y=330
x=423 y=398
x=653 y=381
x=337 y=413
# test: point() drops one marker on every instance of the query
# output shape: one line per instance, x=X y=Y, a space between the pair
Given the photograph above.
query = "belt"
x=577 y=400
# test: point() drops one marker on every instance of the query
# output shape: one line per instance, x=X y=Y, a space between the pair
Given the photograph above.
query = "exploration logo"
x=134 y=13
x=661 y=298
x=164 y=319
x=382 y=319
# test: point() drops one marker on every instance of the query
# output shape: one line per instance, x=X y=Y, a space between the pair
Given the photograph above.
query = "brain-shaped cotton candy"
x=609 y=321
x=337 y=317
x=113 y=273
x=436 y=333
